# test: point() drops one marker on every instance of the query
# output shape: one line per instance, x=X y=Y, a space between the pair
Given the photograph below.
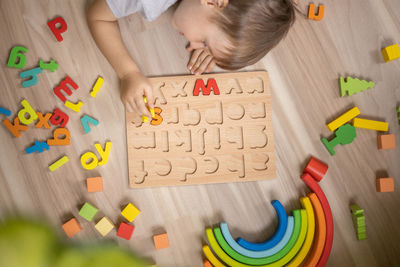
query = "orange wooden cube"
x=206 y=263
x=386 y=141
x=94 y=184
x=385 y=184
x=72 y=227
x=161 y=241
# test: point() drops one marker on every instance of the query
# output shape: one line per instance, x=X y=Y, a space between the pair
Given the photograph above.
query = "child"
x=231 y=34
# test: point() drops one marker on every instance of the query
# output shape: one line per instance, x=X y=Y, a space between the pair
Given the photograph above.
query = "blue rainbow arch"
x=282 y=224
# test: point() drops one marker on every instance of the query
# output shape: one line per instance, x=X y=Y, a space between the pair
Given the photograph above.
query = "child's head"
x=239 y=34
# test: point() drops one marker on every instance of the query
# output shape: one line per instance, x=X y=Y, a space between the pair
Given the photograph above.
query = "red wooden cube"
x=125 y=230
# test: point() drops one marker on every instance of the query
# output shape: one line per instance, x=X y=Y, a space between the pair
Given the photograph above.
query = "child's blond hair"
x=253 y=27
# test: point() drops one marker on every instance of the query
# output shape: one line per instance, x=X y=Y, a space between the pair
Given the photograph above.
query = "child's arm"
x=105 y=31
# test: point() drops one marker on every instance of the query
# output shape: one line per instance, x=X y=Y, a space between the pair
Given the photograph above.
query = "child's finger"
x=203 y=64
x=141 y=106
x=194 y=57
x=131 y=103
x=128 y=107
x=210 y=66
x=148 y=92
x=199 y=60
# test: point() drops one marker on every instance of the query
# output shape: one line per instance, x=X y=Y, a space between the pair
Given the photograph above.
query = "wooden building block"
x=391 y=52
x=371 y=124
x=386 y=141
x=342 y=119
x=130 y=212
x=125 y=230
x=58 y=163
x=385 y=184
x=72 y=227
x=94 y=184
x=212 y=128
x=104 y=226
x=316 y=168
x=88 y=211
x=353 y=86
x=161 y=241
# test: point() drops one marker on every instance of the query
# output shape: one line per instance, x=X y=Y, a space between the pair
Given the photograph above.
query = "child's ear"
x=218 y=4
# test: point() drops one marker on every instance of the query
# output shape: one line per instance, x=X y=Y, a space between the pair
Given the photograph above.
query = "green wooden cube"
x=88 y=211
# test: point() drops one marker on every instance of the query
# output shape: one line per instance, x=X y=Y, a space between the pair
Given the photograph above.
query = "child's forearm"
x=105 y=31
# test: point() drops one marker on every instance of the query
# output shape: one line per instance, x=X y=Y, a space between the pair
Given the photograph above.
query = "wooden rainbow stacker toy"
x=213 y=128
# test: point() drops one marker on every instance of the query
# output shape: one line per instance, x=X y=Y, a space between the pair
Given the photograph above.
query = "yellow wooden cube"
x=104 y=226
x=130 y=212
x=391 y=52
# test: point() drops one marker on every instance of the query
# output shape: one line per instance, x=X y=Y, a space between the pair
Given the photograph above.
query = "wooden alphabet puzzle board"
x=224 y=134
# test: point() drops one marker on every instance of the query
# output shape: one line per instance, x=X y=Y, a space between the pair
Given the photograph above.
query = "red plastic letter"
x=63 y=87
x=59 y=117
x=57 y=31
x=211 y=85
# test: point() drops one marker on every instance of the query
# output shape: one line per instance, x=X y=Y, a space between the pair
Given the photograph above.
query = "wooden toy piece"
x=15 y=128
x=275 y=238
x=43 y=121
x=104 y=154
x=30 y=73
x=342 y=119
x=391 y=52
x=344 y=135
x=371 y=124
x=37 y=147
x=125 y=230
x=355 y=209
x=88 y=211
x=58 y=30
x=398 y=114
x=206 y=90
x=104 y=226
x=316 y=168
x=313 y=185
x=320 y=232
x=85 y=120
x=161 y=241
x=157 y=119
x=89 y=160
x=27 y=110
x=386 y=141
x=385 y=184
x=353 y=86
x=130 y=212
x=62 y=86
x=94 y=184
x=358 y=221
x=210 y=256
x=59 y=118
x=57 y=164
x=97 y=86
x=311 y=12
x=185 y=154
x=57 y=141
x=206 y=263
x=51 y=66
x=72 y=227
x=17 y=53
x=74 y=106
x=5 y=111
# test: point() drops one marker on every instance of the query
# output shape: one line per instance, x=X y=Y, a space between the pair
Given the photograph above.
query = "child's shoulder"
x=149 y=9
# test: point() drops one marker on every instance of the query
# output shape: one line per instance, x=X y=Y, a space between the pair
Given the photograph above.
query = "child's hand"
x=200 y=61
x=133 y=87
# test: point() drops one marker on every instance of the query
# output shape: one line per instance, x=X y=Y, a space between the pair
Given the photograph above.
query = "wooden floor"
x=303 y=70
